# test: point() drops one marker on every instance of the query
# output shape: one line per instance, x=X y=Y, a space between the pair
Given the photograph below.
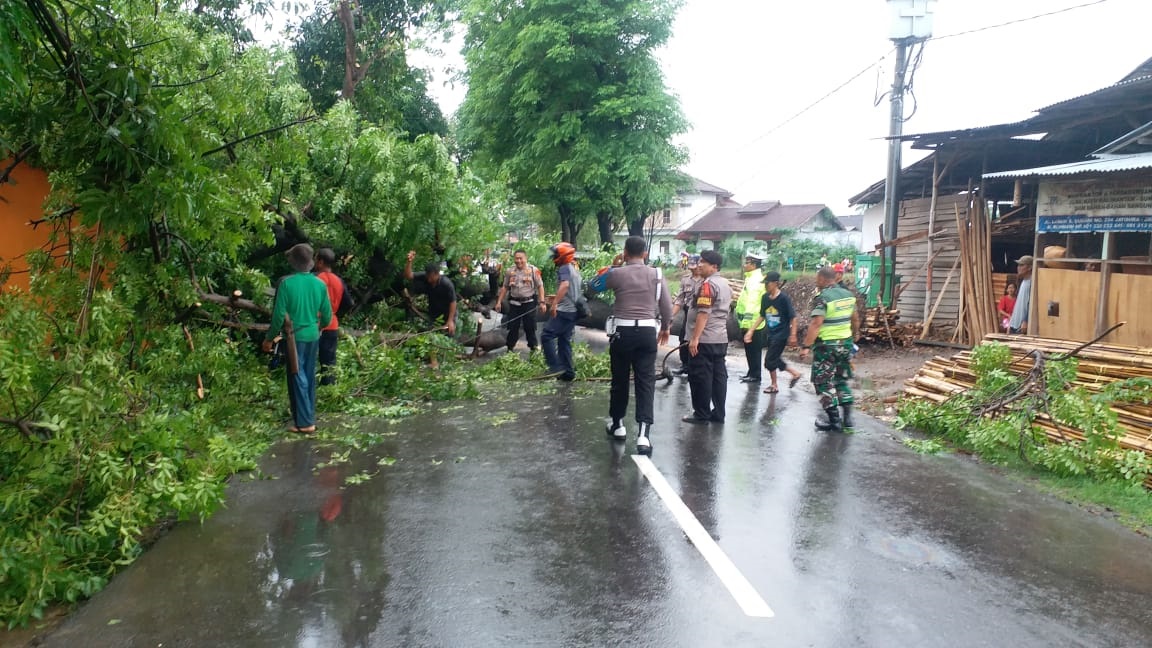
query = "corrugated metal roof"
x=1104 y=164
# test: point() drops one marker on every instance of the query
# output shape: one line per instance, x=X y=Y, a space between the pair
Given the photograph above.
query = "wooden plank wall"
x=911 y=258
x=1126 y=292
x=1076 y=293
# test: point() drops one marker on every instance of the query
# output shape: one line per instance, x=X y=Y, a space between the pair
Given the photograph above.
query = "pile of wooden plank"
x=1100 y=365
x=882 y=326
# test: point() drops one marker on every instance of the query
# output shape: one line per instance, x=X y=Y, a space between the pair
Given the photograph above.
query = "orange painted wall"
x=21 y=200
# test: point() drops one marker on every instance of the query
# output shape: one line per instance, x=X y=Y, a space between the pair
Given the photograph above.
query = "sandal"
x=770 y=390
x=792 y=383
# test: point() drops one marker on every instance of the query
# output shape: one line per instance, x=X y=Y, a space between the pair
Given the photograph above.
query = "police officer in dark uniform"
x=634 y=333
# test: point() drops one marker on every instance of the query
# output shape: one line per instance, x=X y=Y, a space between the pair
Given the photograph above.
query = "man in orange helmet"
x=556 y=341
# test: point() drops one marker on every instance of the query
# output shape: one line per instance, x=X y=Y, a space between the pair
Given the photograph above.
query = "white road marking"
x=745 y=594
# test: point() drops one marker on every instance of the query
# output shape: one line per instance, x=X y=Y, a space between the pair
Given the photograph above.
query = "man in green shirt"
x=831 y=334
x=302 y=307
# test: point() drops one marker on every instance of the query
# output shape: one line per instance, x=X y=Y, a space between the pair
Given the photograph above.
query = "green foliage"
x=1011 y=431
x=106 y=437
x=567 y=104
x=391 y=92
x=805 y=253
x=182 y=157
x=924 y=446
x=990 y=363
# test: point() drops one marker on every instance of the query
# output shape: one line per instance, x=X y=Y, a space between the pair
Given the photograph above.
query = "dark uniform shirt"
x=440 y=296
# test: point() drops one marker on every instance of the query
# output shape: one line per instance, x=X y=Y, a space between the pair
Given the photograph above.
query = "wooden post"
x=931 y=228
x=1108 y=253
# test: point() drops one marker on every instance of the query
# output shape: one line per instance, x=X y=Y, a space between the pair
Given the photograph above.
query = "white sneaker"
x=618 y=433
x=643 y=446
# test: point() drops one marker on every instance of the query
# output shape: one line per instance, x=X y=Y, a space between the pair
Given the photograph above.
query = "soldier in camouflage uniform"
x=831 y=334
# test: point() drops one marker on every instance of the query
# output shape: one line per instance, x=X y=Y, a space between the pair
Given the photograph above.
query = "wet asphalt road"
x=514 y=522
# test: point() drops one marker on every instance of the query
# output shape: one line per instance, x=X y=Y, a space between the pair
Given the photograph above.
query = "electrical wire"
x=917 y=58
x=915 y=65
x=817 y=102
x=1019 y=20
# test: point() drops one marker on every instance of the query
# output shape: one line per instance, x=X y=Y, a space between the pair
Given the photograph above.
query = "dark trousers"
x=708 y=380
x=522 y=315
x=754 y=352
x=774 y=351
x=328 y=341
x=632 y=352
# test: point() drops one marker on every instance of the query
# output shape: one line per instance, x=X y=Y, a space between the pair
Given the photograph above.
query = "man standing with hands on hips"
x=634 y=333
x=524 y=290
x=831 y=334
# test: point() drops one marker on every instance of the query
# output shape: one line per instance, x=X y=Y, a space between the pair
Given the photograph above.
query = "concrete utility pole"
x=895 y=130
x=911 y=24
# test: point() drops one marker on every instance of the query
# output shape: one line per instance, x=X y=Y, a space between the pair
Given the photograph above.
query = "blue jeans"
x=302 y=386
x=558 y=336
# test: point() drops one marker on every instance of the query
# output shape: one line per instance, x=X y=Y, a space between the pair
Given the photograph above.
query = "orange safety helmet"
x=563 y=253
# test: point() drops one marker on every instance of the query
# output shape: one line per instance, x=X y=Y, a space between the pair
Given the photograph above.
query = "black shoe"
x=846 y=418
x=643 y=443
x=831 y=423
x=566 y=377
x=692 y=418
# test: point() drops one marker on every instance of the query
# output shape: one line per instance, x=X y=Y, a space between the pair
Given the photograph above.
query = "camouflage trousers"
x=831 y=371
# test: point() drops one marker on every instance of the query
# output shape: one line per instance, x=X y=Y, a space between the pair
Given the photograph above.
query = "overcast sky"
x=741 y=68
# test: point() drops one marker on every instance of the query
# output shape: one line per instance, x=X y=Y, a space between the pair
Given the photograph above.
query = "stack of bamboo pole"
x=977 y=299
x=1100 y=364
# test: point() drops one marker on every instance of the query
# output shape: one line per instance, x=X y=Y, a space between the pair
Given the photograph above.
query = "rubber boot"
x=832 y=422
x=615 y=430
x=643 y=443
x=846 y=416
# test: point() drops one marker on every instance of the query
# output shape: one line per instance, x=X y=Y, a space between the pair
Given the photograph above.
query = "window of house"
x=664 y=248
x=667 y=216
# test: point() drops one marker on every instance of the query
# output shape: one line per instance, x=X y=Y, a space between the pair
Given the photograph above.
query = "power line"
x=881 y=59
x=818 y=101
x=1020 y=20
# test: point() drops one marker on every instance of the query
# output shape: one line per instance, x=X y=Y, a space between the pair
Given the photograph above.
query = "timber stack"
x=1100 y=365
x=881 y=326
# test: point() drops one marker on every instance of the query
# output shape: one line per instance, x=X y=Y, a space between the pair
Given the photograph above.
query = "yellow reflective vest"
x=836 y=305
x=748 y=304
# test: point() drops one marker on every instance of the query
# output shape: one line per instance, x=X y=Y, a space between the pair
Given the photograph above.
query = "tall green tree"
x=178 y=156
x=567 y=105
x=358 y=52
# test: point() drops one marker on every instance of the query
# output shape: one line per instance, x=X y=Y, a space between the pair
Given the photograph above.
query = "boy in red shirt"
x=341 y=303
